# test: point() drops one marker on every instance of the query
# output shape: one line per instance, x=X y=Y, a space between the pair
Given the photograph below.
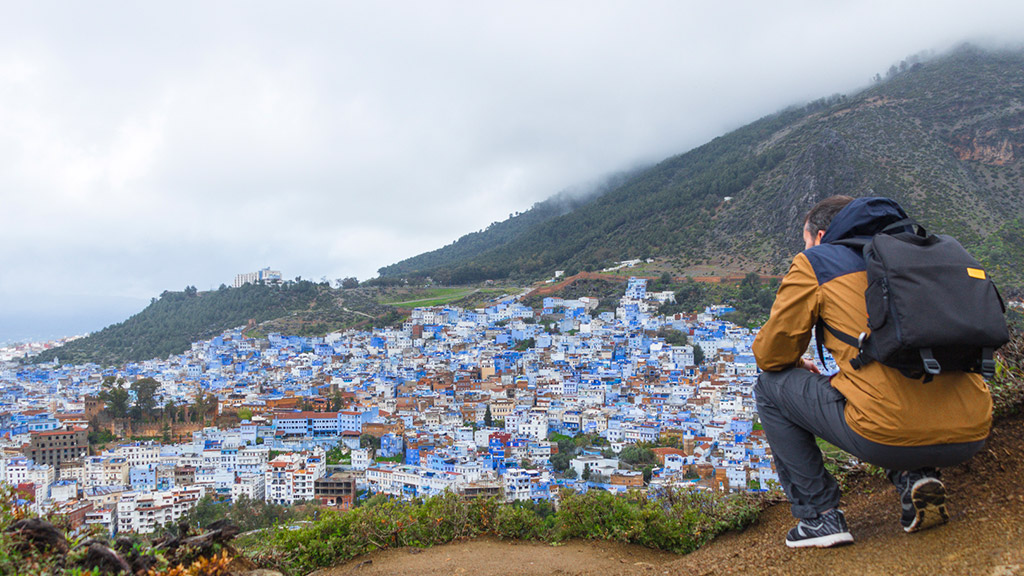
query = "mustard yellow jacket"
x=882 y=405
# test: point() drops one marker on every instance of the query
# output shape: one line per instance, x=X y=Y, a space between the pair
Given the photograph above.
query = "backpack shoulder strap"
x=819 y=338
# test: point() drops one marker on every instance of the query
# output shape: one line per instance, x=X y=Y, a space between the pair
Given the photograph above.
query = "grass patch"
x=428 y=297
x=462 y=296
x=838 y=462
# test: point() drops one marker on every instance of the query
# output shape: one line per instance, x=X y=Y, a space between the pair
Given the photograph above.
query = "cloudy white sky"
x=147 y=146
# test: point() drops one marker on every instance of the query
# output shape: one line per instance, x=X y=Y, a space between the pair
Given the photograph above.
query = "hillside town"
x=476 y=402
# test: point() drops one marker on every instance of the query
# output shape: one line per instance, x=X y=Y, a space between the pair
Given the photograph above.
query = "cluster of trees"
x=138 y=401
x=673 y=336
x=753 y=301
x=525 y=344
x=347 y=283
x=171 y=323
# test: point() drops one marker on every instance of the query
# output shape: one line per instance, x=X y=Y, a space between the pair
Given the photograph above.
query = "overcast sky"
x=147 y=146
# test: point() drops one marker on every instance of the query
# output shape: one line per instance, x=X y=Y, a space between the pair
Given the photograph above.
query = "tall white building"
x=265 y=275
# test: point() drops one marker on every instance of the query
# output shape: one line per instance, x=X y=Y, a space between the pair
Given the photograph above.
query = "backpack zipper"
x=889 y=306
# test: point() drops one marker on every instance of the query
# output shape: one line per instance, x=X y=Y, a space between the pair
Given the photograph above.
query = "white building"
x=289 y=477
x=408 y=482
x=361 y=458
x=520 y=484
x=253 y=486
x=144 y=512
x=138 y=453
x=21 y=470
x=535 y=427
x=106 y=517
x=597 y=465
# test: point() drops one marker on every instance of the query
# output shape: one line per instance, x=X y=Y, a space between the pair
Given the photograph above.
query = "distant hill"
x=944 y=137
x=171 y=323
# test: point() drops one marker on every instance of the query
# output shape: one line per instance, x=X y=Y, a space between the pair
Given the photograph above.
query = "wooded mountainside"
x=171 y=323
x=944 y=137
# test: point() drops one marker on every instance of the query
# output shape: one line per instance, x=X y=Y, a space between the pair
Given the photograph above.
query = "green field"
x=465 y=297
x=428 y=296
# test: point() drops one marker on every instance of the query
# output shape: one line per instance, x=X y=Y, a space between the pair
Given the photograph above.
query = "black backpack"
x=931 y=306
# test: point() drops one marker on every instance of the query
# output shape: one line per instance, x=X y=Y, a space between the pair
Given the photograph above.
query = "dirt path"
x=985 y=537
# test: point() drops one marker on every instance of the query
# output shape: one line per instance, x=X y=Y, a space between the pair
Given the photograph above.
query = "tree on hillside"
x=369 y=441
x=145 y=397
x=664 y=281
x=524 y=345
x=636 y=455
x=560 y=461
x=488 y=418
x=337 y=402
x=202 y=405
x=691 y=297
x=350 y=282
x=673 y=336
x=698 y=355
x=648 y=473
x=115 y=397
x=170 y=410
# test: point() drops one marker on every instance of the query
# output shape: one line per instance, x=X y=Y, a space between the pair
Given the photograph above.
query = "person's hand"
x=809 y=365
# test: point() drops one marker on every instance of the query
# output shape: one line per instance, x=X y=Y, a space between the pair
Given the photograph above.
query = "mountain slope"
x=499 y=234
x=945 y=138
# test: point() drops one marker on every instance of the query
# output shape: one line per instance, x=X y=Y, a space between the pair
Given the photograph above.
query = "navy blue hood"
x=863 y=217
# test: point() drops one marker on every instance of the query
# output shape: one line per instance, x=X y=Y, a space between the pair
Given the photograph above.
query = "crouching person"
x=909 y=427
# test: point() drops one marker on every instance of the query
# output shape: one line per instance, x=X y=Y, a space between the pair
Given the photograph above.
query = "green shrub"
x=13 y=558
x=678 y=520
x=675 y=520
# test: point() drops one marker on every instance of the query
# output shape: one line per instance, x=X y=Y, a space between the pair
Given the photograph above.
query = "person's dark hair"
x=823 y=212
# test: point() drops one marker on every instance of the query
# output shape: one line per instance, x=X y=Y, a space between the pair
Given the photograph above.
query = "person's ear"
x=817 y=240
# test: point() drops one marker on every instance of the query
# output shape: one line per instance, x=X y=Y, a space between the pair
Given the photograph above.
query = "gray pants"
x=796 y=405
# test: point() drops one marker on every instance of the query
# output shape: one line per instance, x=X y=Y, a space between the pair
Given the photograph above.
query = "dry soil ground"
x=985 y=537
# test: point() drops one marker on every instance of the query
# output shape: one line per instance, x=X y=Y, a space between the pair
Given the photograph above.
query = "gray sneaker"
x=828 y=529
x=922 y=498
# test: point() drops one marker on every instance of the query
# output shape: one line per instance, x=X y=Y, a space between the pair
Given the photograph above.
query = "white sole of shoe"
x=822 y=541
